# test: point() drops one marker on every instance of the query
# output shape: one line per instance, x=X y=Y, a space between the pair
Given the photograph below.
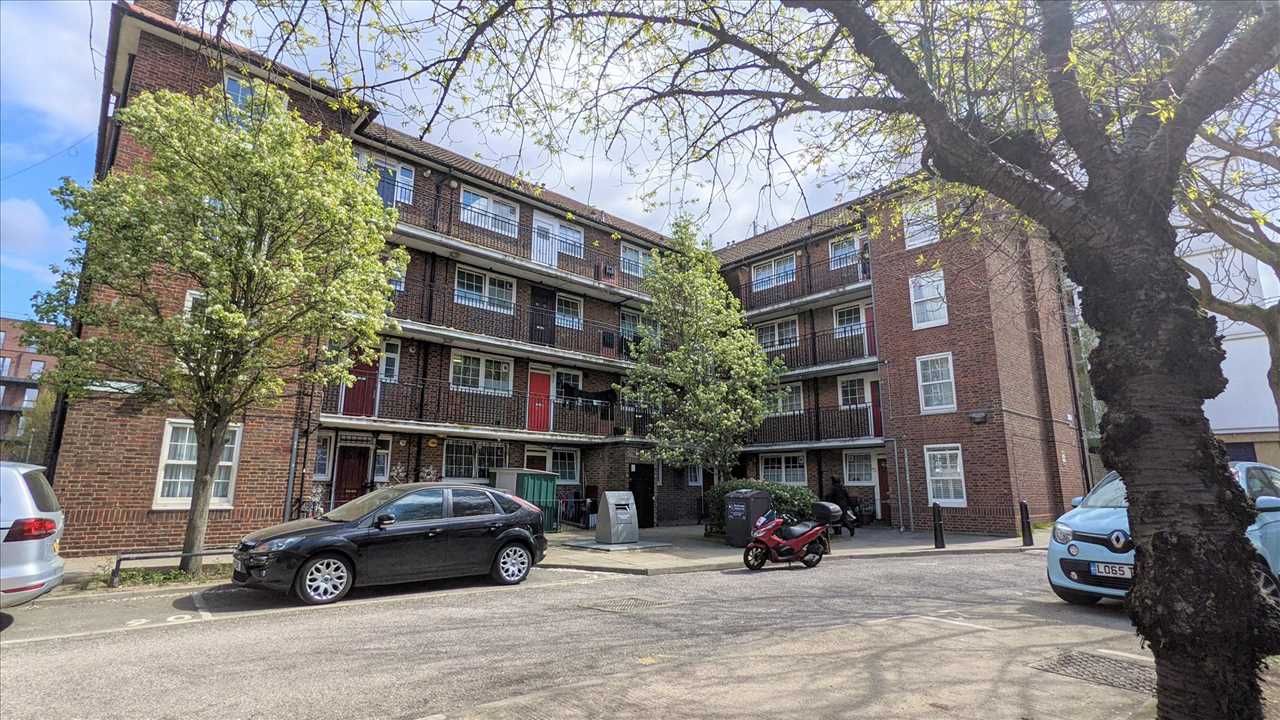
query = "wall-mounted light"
x=453 y=184
x=978 y=417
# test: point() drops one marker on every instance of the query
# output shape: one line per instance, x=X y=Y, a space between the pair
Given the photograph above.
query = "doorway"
x=882 y=472
x=542 y=316
x=361 y=398
x=539 y=418
x=640 y=483
x=352 y=474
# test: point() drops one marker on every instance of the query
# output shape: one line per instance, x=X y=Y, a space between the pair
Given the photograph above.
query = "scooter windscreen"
x=766 y=518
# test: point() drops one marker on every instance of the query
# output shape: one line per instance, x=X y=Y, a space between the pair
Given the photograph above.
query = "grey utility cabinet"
x=618 y=521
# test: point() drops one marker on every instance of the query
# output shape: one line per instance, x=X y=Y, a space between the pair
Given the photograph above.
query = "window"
x=397 y=282
x=937 y=386
x=490 y=213
x=944 y=472
x=5 y=365
x=482 y=290
x=1 y=338
x=853 y=391
x=693 y=476
x=789 y=400
x=635 y=261
x=414 y=507
x=568 y=238
x=844 y=251
x=771 y=273
x=568 y=383
x=381 y=459
x=324 y=456
x=480 y=372
x=1260 y=482
x=568 y=312
x=29 y=397
x=779 y=334
x=36 y=369
x=177 y=473
x=193 y=304
x=918 y=224
x=629 y=325
x=787 y=469
x=472 y=503
x=928 y=300
x=848 y=320
x=564 y=462
x=390 y=361
x=395 y=179
x=858 y=469
x=239 y=91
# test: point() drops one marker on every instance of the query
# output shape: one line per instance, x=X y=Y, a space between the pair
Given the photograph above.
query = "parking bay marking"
x=949 y=621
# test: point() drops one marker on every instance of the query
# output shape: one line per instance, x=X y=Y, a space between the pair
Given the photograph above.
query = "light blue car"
x=1091 y=553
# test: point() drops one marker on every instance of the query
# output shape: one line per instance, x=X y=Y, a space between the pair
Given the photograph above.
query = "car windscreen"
x=41 y=494
x=1110 y=493
x=362 y=505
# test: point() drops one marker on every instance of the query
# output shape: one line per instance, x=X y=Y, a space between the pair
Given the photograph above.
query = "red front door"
x=359 y=398
x=539 y=401
x=353 y=473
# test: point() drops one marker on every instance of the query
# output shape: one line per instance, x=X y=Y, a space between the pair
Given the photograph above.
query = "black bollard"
x=939 y=542
x=1027 y=539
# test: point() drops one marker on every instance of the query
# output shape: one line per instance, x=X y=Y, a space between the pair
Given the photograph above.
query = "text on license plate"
x=1111 y=570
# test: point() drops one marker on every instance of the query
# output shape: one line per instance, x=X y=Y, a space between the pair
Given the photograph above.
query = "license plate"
x=1111 y=570
x=239 y=566
x=56 y=543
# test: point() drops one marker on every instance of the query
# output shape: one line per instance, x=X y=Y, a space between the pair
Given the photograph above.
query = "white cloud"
x=29 y=241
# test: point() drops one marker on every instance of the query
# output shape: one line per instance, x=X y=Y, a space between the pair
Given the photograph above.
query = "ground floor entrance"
x=352 y=473
x=640 y=483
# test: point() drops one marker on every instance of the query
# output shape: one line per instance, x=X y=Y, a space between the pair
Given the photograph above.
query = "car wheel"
x=1266 y=581
x=1074 y=597
x=511 y=564
x=324 y=579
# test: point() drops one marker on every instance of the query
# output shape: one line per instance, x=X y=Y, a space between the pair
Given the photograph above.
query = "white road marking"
x=950 y=622
x=1130 y=656
x=428 y=595
x=136 y=622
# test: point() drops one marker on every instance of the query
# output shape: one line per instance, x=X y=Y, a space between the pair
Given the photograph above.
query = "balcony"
x=447 y=216
x=844 y=344
x=507 y=321
x=819 y=424
x=801 y=282
x=442 y=402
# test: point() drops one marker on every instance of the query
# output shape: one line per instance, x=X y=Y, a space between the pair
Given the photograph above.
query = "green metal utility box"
x=536 y=486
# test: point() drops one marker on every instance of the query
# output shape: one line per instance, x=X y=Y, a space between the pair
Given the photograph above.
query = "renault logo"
x=1119 y=540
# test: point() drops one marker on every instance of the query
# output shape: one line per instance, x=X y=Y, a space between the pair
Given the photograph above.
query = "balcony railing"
x=824 y=423
x=845 y=343
x=442 y=402
x=792 y=283
x=504 y=234
x=506 y=320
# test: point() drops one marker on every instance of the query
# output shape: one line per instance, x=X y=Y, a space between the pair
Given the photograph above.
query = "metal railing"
x=430 y=401
x=798 y=282
x=494 y=231
x=848 y=342
x=824 y=423
x=157 y=555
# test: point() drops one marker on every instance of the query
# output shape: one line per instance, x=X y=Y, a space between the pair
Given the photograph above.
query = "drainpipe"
x=293 y=468
x=906 y=461
x=897 y=483
x=1086 y=468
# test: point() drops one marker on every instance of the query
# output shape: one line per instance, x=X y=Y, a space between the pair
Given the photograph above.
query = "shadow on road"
x=227 y=599
x=5 y=621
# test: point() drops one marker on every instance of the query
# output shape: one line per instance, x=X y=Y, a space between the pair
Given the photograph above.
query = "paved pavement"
x=916 y=637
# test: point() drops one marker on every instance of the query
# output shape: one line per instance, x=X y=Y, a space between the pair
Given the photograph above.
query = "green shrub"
x=794 y=500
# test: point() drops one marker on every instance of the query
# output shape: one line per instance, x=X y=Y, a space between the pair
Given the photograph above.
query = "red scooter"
x=782 y=539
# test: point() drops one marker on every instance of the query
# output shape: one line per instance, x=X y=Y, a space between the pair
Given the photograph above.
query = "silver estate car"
x=30 y=527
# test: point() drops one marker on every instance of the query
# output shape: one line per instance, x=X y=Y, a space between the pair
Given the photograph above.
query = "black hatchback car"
x=402 y=533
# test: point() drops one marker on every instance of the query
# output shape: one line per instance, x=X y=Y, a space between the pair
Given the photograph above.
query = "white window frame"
x=324 y=442
x=6 y=364
x=693 y=476
x=866 y=392
x=486 y=301
x=32 y=371
x=484 y=360
x=488 y=214
x=190 y=299
x=216 y=503
x=782 y=460
x=227 y=77
x=918 y=284
x=622 y=324
x=910 y=213
x=844 y=260
x=776 y=325
x=2 y=336
x=871 y=458
x=643 y=260
x=844 y=331
x=577 y=465
x=476 y=446
x=570 y=322
x=404 y=173
x=383 y=376
x=560 y=231
x=772 y=272
x=920 y=383
x=555 y=379
x=777 y=411
x=381 y=450
x=963 y=501
x=30 y=397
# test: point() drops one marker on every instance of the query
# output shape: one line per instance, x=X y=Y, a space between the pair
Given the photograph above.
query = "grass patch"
x=158 y=577
x=1046 y=525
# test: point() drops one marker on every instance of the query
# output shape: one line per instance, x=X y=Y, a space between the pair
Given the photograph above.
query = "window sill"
x=925 y=243
x=926 y=326
x=860 y=483
x=185 y=507
x=480 y=391
x=938 y=411
x=949 y=503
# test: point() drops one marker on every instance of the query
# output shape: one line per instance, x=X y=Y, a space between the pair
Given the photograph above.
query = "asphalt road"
x=946 y=637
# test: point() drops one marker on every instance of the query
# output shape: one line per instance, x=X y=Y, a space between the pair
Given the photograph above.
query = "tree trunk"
x=1273 y=371
x=210 y=436
x=1157 y=360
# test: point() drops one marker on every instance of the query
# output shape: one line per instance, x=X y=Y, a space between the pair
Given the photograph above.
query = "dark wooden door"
x=360 y=398
x=353 y=473
x=641 y=487
x=542 y=315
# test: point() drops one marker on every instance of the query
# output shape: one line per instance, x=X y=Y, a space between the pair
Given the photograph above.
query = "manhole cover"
x=1100 y=670
x=621 y=604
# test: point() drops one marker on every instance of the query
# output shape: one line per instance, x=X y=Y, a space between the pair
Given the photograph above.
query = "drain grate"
x=622 y=604
x=1101 y=670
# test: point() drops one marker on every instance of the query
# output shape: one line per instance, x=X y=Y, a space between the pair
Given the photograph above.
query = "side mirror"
x=1267 y=503
x=1075 y=501
x=384 y=520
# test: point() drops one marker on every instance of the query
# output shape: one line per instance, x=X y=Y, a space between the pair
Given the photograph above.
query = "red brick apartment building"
x=515 y=315
x=20 y=369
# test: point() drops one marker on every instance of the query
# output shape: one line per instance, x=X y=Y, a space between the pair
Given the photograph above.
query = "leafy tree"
x=277 y=239
x=1079 y=115
x=697 y=365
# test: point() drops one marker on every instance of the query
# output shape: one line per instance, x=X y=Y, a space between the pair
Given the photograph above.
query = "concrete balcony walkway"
x=689 y=551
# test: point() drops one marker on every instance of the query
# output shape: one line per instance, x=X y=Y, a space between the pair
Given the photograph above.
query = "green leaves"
x=209 y=273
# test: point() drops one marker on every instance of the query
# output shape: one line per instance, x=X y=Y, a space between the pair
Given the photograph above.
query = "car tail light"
x=31 y=529
x=525 y=503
